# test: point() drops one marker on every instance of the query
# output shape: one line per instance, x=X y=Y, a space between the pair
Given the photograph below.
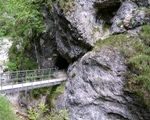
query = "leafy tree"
x=23 y=22
x=19 y=18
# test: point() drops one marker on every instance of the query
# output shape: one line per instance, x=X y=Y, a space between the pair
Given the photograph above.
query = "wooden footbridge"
x=30 y=79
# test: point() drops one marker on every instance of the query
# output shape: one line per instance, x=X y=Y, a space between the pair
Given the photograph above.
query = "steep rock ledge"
x=129 y=16
x=83 y=17
x=69 y=35
x=90 y=17
x=145 y=3
x=61 y=43
x=69 y=41
x=95 y=89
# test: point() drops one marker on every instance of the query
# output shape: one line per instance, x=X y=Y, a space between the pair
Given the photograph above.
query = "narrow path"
x=11 y=82
x=31 y=85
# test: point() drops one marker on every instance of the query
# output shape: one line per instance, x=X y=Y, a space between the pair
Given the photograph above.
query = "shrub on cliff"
x=19 y=18
x=23 y=22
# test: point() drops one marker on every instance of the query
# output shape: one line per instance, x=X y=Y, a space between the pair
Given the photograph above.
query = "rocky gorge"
x=104 y=45
x=95 y=89
x=71 y=33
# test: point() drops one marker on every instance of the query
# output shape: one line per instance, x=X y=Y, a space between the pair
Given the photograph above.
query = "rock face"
x=69 y=42
x=95 y=86
x=142 y=2
x=60 y=42
x=44 y=47
x=83 y=17
x=95 y=89
x=71 y=34
x=128 y=17
x=89 y=17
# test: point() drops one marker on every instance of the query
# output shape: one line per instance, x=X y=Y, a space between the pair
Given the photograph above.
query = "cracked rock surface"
x=95 y=89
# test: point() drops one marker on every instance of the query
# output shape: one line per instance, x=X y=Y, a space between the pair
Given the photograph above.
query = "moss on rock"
x=66 y=5
x=137 y=54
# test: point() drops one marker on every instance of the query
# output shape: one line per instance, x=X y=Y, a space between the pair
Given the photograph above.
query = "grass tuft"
x=137 y=54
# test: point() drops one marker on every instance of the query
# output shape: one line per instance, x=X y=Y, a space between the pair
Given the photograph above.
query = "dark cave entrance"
x=105 y=12
x=61 y=63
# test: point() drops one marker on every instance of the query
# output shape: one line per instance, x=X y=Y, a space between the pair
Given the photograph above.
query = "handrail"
x=29 y=76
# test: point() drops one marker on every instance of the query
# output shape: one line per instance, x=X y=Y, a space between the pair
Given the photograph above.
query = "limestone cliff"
x=96 y=86
x=95 y=89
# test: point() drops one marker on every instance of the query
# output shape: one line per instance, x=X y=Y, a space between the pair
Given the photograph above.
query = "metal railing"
x=27 y=76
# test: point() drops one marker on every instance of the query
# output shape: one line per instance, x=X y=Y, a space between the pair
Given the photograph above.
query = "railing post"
x=17 y=75
x=22 y=81
x=9 y=75
x=51 y=72
x=42 y=75
x=34 y=76
x=26 y=76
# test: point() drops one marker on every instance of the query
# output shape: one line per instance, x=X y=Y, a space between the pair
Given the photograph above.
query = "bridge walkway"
x=30 y=79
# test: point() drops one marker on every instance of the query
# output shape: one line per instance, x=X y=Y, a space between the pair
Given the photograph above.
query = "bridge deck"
x=32 y=85
x=30 y=79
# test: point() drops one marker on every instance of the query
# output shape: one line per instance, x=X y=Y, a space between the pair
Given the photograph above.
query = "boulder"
x=95 y=89
x=129 y=16
x=144 y=3
x=83 y=16
x=69 y=42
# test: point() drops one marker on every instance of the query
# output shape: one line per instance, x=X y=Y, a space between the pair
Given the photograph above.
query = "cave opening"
x=105 y=12
x=61 y=63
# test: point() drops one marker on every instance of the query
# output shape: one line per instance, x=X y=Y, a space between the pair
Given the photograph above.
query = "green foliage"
x=53 y=95
x=36 y=93
x=37 y=113
x=18 y=58
x=21 y=63
x=66 y=5
x=137 y=55
x=57 y=115
x=5 y=110
x=23 y=22
x=19 y=18
x=40 y=112
x=145 y=34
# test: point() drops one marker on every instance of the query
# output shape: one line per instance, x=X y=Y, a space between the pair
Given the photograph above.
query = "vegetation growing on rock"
x=19 y=58
x=22 y=21
x=137 y=54
x=66 y=4
x=145 y=34
x=47 y=111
